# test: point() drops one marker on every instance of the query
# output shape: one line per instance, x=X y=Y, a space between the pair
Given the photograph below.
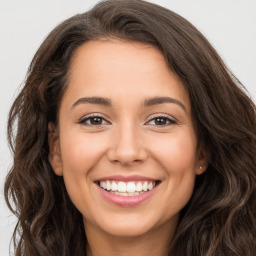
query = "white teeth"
x=108 y=185
x=130 y=188
x=114 y=186
x=150 y=186
x=145 y=186
x=121 y=187
x=126 y=194
x=139 y=187
x=103 y=184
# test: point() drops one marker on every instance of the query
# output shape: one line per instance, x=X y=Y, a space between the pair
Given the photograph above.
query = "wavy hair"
x=220 y=218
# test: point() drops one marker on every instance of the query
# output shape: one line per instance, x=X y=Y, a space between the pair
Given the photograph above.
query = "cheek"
x=80 y=154
x=176 y=153
x=81 y=151
x=177 y=158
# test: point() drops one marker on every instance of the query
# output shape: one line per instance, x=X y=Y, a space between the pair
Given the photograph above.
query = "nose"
x=127 y=146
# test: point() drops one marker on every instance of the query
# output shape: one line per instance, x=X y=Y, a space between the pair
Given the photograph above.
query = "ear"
x=202 y=162
x=54 y=150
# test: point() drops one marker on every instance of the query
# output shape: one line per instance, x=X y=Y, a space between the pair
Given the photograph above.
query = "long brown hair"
x=220 y=218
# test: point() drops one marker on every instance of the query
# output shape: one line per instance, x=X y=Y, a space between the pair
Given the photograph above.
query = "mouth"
x=127 y=191
x=131 y=188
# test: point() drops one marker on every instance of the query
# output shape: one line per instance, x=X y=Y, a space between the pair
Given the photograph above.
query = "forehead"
x=113 y=68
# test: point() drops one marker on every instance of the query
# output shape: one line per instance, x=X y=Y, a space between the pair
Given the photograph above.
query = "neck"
x=154 y=243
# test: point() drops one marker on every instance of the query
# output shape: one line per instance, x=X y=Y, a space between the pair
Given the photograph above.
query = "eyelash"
x=164 y=117
x=90 y=117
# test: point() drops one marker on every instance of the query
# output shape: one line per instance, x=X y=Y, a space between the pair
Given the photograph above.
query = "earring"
x=201 y=168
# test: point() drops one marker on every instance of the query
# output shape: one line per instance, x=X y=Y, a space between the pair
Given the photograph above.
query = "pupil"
x=161 y=121
x=96 y=120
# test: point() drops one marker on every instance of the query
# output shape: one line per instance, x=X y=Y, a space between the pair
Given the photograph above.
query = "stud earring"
x=201 y=168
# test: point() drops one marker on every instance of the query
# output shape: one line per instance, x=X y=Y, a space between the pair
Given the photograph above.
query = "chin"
x=131 y=225
x=128 y=231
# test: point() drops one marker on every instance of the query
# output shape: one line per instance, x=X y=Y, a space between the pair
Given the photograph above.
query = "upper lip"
x=126 y=178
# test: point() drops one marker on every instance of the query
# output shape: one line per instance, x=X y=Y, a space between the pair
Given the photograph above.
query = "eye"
x=93 y=121
x=161 y=121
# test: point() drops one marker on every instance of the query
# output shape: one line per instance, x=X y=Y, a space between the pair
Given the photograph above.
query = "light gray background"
x=230 y=25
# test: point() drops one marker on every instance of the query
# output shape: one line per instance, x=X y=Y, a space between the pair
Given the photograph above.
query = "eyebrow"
x=93 y=100
x=147 y=103
x=161 y=100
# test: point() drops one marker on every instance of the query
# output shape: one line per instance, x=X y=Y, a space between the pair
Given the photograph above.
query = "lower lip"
x=127 y=201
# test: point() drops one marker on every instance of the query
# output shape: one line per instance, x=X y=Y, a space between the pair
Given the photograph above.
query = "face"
x=125 y=143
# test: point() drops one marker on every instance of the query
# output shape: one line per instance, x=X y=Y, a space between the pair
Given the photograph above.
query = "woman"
x=133 y=138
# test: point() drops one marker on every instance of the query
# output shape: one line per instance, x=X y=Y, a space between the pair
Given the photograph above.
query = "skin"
x=129 y=141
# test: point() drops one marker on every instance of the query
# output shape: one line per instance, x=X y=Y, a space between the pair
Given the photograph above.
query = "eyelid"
x=150 y=118
x=159 y=115
x=85 y=117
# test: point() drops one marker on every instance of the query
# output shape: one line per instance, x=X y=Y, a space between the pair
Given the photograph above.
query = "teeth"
x=114 y=186
x=103 y=184
x=150 y=186
x=121 y=186
x=139 y=187
x=108 y=185
x=145 y=186
x=126 y=194
x=127 y=189
x=131 y=187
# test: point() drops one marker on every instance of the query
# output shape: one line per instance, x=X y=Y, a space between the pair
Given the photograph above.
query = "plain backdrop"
x=230 y=25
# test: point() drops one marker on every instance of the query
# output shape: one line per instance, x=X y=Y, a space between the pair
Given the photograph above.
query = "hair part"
x=221 y=214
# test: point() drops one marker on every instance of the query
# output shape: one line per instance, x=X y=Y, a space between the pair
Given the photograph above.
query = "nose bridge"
x=127 y=144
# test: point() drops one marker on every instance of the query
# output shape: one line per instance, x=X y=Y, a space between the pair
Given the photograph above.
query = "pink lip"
x=127 y=201
x=126 y=178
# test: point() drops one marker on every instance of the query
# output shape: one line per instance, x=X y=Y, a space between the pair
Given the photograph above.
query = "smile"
x=127 y=191
x=131 y=188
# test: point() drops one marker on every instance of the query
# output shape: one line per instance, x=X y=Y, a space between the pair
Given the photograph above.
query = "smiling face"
x=125 y=143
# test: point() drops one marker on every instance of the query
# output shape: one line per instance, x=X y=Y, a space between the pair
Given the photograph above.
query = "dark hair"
x=220 y=218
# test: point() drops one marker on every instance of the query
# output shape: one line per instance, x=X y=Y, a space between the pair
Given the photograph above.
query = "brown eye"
x=93 y=121
x=96 y=120
x=161 y=121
